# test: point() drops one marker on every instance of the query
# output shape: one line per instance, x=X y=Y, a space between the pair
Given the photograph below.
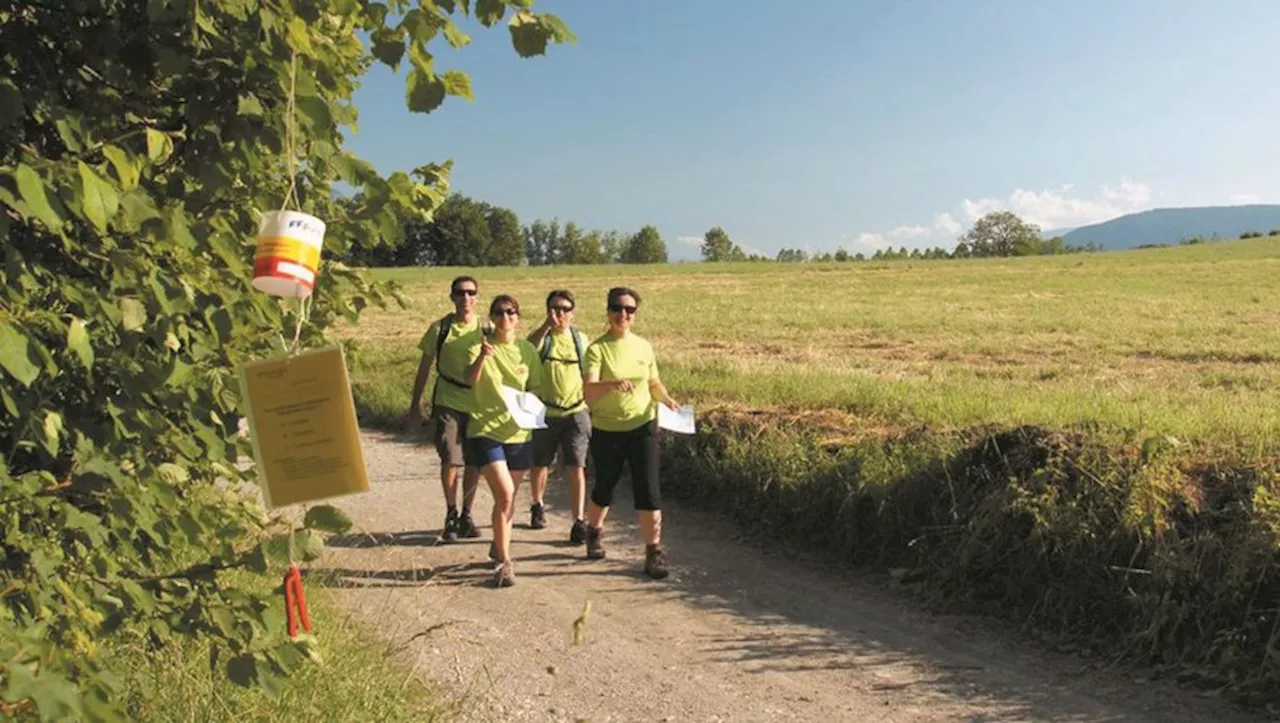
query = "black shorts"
x=450 y=429
x=482 y=451
x=567 y=435
x=636 y=449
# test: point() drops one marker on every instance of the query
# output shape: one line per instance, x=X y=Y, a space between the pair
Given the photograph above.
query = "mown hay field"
x=1181 y=341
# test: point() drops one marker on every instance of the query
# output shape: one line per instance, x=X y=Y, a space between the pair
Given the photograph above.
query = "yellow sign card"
x=302 y=421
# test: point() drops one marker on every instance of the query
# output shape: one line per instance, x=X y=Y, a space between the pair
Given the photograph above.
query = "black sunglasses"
x=616 y=308
x=508 y=311
x=561 y=309
x=464 y=292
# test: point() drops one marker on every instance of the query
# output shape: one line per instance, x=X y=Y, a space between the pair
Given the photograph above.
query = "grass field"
x=1181 y=341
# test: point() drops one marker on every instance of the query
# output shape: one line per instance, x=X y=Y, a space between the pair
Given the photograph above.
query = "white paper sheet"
x=526 y=409
x=680 y=421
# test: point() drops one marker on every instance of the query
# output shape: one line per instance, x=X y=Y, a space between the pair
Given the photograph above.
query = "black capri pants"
x=637 y=449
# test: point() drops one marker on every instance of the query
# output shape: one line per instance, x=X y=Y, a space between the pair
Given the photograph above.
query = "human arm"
x=659 y=392
x=473 y=371
x=537 y=335
x=427 y=345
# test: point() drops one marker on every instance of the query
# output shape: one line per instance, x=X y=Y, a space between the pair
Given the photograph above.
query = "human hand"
x=672 y=404
x=413 y=419
x=624 y=385
x=486 y=349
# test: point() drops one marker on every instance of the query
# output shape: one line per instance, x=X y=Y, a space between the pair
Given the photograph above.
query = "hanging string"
x=290 y=141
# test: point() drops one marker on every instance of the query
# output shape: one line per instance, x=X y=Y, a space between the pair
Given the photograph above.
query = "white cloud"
x=1047 y=208
x=909 y=232
x=1057 y=208
x=1244 y=198
x=946 y=224
x=695 y=241
x=871 y=241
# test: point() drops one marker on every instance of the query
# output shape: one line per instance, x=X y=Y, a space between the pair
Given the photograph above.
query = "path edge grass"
x=1161 y=552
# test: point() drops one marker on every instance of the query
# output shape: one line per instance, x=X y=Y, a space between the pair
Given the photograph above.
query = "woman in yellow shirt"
x=621 y=386
x=495 y=443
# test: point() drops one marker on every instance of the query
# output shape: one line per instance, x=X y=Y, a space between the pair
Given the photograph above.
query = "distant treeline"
x=467 y=232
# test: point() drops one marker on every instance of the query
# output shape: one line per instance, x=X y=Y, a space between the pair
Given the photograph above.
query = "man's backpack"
x=446 y=326
x=545 y=353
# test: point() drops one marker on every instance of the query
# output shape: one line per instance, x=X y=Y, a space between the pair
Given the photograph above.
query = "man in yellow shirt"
x=562 y=351
x=445 y=344
x=622 y=386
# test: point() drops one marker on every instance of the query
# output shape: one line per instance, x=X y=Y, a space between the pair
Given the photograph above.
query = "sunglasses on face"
x=561 y=309
x=619 y=308
x=464 y=292
x=506 y=312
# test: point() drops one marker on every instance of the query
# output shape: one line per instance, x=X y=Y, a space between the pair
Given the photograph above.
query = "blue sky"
x=819 y=124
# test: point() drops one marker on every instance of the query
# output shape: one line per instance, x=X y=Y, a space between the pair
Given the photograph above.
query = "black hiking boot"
x=537 y=516
x=655 y=561
x=578 y=533
x=595 y=543
x=450 y=531
x=467 y=526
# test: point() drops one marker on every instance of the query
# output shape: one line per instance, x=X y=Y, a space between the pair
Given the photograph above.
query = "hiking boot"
x=655 y=561
x=578 y=533
x=504 y=576
x=537 y=516
x=595 y=543
x=467 y=526
x=450 y=531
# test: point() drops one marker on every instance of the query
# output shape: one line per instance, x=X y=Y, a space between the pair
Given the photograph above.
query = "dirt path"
x=736 y=633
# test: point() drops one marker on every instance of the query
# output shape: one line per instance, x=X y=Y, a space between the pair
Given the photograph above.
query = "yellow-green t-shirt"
x=514 y=364
x=563 y=375
x=630 y=357
x=452 y=363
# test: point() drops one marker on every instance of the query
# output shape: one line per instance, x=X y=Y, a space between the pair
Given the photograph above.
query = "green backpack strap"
x=582 y=359
x=544 y=352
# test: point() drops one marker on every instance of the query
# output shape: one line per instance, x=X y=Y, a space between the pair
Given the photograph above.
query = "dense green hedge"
x=1121 y=546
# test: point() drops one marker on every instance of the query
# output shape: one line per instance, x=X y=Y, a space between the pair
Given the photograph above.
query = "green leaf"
x=457 y=83
x=98 y=197
x=327 y=518
x=300 y=36
x=34 y=194
x=78 y=342
x=309 y=546
x=455 y=36
x=388 y=47
x=316 y=112
x=11 y=107
x=249 y=105
x=16 y=355
x=489 y=12
x=424 y=92
x=173 y=473
x=125 y=167
x=243 y=670
x=133 y=314
x=159 y=145
x=52 y=432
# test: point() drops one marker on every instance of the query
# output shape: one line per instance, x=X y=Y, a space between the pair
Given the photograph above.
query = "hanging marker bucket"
x=287 y=253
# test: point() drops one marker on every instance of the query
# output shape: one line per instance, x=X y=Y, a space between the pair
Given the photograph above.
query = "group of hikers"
x=600 y=398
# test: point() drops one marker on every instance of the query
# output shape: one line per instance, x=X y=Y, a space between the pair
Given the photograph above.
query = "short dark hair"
x=453 y=285
x=618 y=292
x=501 y=299
x=565 y=294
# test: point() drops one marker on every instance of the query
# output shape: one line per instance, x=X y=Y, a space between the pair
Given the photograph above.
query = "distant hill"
x=1171 y=225
x=1051 y=232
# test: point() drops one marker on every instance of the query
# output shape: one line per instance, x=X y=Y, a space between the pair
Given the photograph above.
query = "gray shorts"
x=449 y=433
x=567 y=435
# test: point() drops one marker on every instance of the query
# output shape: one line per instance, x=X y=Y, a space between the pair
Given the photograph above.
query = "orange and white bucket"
x=287 y=253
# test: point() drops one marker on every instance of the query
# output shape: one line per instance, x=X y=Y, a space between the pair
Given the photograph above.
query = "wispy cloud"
x=695 y=241
x=1048 y=208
